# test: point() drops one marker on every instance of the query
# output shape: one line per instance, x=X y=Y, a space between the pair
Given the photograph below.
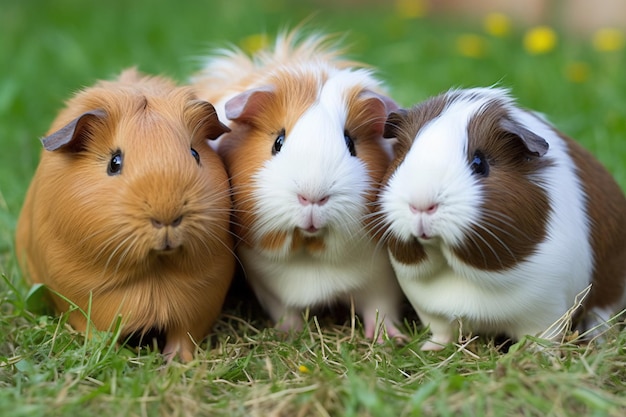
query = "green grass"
x=48 y=50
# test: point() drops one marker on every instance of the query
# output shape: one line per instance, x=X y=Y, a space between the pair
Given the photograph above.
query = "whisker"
x=370 y=121
x=505 y=246
x=477 y=246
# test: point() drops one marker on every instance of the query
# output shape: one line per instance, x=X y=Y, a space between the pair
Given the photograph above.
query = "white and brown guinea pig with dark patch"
x=306 y=156
x=128 y=212
x=494 y=218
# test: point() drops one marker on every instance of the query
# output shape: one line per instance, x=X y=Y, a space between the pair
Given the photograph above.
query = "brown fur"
x=606 y=207
x=507 y=187
x=366 y=121
x=406 y=252
x=309 y=244
x=87 y=235
x=513 y=233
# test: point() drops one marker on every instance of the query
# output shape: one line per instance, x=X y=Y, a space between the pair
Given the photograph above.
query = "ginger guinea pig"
x=494 y=218
x=128 y=212
x=305 y=157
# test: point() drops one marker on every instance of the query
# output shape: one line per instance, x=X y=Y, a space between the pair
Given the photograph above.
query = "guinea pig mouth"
x=429 y=240
x=166 y=250
x=424 y=236
x=311 y=231
x=167 y=246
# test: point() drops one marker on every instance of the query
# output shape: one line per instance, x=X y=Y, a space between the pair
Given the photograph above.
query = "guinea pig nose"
x=159 y=223
x=305 y=201
x=426 y=208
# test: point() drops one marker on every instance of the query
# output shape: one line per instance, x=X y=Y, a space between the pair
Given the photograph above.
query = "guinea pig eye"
x=278 y=144
x=479 y=164
x=349 y=143
x=115 y=164
x=195 y=155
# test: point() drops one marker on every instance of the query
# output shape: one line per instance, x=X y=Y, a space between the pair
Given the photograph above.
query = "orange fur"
x=248 y=146
x=86 y=234
x=235 y=71
x=296 y=71
x=302 y=90
x=368 y=128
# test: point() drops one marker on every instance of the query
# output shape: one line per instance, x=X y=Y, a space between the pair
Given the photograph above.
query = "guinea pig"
x=495 y=220
x=128 y=212
x=305 y=157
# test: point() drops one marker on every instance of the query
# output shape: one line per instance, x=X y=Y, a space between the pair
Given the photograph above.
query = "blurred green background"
x=50 y=49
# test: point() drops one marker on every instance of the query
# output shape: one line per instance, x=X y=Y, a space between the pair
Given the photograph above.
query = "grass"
x=50 y=49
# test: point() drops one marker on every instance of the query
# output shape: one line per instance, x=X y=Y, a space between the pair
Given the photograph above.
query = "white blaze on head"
x=435 y=174
x=315 y=165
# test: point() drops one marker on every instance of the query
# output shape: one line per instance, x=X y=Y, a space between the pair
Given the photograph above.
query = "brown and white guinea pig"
x=494 y=218
x=128 y=212
x=305 y=157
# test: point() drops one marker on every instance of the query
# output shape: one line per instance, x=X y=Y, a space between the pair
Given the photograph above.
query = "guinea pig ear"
x=213 y=127
x=393 y=123
x=244 y=106
x=72 y=136
x=377 y=104
x=535 y=144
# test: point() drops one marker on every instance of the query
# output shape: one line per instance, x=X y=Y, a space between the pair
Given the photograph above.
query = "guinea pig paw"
x=400 y=338
x=394 y=334
x=173 y=349
x=290 y=323
x=382 y=332
x=433 y=345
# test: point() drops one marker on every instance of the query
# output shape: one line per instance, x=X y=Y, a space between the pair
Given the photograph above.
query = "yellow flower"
x=304 y=369
x=411 y=9
x=540 y=40
x=577 y=72
x=497 y=24
x=608 y=40
x=253 y=43
x=472 y=46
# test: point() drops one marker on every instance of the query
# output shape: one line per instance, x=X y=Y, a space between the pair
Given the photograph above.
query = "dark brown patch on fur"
x=606 y=208
x=406 y=252
x=515 y=208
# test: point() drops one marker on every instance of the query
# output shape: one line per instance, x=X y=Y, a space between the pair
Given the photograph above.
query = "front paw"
x=292 y=322
x=381 y=332
x=431 y=346
x=181 y=347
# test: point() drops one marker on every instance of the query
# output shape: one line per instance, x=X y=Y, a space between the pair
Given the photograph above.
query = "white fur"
x=314 y=162
x=523 y=300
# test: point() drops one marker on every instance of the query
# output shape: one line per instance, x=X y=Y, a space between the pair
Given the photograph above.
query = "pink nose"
x=305 y=201
x=426 y=208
